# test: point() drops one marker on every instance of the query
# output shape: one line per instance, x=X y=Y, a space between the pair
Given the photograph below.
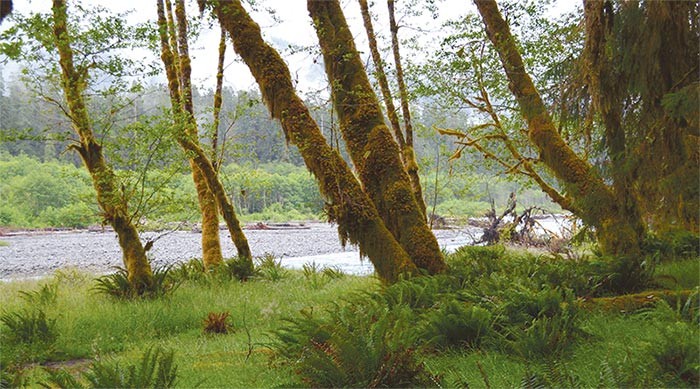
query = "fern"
x=456 y=323
x=155 y=369
x=45 y=295
x=117 y=284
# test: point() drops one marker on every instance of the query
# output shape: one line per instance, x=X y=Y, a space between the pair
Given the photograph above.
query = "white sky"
x=295 y=27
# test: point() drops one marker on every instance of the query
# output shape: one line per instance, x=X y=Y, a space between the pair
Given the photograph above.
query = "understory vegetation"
x=498 y=318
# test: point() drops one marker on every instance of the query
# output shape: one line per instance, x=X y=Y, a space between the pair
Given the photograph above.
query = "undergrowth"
x=495 y=319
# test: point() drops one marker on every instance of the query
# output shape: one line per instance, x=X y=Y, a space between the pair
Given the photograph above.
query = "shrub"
x=456 y=324
x=29 y=327
x=30 y=336
x=238 y=268
x=45 y=295
x=192 y=270
x=677 y=353
x=420 y=292
x=547 y=336
x=271 y=269
x=156 y=369
x=360 y=344
x=117 y=284
x=217 y=323
x=555 y=375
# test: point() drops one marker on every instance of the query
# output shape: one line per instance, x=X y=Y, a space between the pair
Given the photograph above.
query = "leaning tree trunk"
x=617 y=233
x=109 y=198
x=372 y=148
x=211 y=192
x=357 y=218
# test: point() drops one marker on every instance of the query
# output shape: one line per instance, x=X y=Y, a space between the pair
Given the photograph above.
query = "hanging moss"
x=358 y=220
x=636 y=55
x=373 y=150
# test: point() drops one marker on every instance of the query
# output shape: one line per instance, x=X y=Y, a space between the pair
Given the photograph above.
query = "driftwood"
x=277 y=226
x=510 y=226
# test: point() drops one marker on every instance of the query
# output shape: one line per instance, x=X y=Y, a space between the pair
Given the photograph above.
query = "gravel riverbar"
x=40 y=254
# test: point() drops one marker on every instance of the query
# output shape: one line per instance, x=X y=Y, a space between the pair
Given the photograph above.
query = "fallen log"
x=632 y=302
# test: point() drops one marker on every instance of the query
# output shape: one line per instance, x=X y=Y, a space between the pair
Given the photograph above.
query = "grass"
x=4 y=243
x=612 y=349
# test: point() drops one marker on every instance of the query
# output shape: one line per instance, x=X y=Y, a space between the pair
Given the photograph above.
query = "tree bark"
x=5 y=9
x=109 y=198
x=408 y=151
x=211 y=244
x=357 y=218
x=381 y=75
x=616 y=234
x=218 y=100
x=374 y=152
x=211 y=194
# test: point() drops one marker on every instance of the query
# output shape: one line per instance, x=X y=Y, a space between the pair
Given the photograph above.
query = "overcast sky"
x=294 y=27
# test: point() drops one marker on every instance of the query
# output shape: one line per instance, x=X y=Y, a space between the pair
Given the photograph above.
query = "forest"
x=386 y=119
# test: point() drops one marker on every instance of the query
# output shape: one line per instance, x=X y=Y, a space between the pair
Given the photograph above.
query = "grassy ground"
x=613 y=348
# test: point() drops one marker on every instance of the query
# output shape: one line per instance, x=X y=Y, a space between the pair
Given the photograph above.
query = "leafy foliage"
x=271 y=269
x=358 y=345
x=217 y=323
x=239 y=268
x=156 y=369
x=677 y=352
x=117 y=284
x=457 y=324
x=28 y=336
x=45 y=295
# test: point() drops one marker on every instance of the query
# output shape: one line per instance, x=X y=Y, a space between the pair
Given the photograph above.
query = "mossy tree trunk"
x=211 y=245
x=408 y=151
x=218 y=101
x=405 y=142
x=357 y=218
x=374 y=152
x=618 y=231
x=636 y=56
x=211 y=194
x=111 y=201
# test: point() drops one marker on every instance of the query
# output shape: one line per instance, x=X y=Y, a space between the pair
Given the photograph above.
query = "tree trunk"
x=5 y=9
x=374 y=152
x=357 y=218
x=647 y=57
x=408 y=151
x=211 y=194
x=211 y=243
x=381 y=75
x=617 y=232
x=218 y=101
x=109 y=198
